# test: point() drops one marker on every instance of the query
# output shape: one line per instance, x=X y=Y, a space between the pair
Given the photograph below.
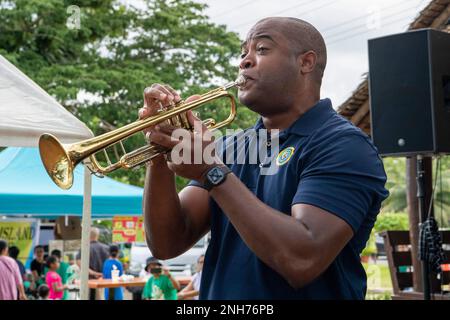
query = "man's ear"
x=308 y=62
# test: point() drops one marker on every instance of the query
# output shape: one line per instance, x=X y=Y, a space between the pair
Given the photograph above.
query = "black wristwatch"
x=216 y=176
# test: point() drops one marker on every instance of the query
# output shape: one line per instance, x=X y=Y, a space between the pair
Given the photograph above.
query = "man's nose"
x=246 y=63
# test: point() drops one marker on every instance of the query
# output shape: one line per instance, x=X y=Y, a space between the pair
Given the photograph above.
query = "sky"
x=346 y=26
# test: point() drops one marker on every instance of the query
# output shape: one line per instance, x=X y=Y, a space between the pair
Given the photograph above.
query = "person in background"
x=14 y=253
x=43 y=292
x=192 y=290
x=98 y=253
x=53 y=279
x=37 y=266
x=109 y=265
x=73 y=278
x=27 y=279
x=161 y=285
x=10 y=278
x=62 y=270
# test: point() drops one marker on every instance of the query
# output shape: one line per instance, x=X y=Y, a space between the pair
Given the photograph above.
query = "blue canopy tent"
x=25 y=188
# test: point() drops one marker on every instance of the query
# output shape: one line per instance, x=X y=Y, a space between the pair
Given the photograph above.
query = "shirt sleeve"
x=345 y=178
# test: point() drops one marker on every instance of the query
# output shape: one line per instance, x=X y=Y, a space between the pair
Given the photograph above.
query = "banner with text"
x=22 y=233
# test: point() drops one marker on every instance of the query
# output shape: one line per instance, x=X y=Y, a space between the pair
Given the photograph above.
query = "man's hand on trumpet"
x=157 y=97
x=182 y=142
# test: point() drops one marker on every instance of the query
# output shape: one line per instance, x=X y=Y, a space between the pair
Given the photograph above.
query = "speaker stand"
x=423 y=216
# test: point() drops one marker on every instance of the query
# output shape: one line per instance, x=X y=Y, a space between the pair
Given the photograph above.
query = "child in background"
x=73 y=278
x=161 y=285
x=109 y=265
x=62 y=270
x=43 y=292
x=53 y=279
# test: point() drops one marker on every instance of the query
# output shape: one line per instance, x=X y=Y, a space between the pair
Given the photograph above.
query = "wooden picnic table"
x=108 y=283
x=136 y=282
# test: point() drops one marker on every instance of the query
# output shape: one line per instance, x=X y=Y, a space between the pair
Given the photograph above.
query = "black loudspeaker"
x=409 y=85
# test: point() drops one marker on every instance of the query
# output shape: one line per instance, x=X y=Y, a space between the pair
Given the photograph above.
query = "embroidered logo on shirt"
x=284 y=156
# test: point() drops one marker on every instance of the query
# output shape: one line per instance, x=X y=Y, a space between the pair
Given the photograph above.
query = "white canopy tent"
x=27 y=111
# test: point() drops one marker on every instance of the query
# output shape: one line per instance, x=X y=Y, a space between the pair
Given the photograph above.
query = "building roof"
x=356 y=108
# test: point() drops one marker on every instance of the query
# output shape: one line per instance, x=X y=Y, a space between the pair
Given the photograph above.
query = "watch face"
x=215 y=175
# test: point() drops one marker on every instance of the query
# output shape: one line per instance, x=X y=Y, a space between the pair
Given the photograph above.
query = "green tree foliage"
x=391 y=221
x=385 y=221
x=99 y=71
x=396 y=184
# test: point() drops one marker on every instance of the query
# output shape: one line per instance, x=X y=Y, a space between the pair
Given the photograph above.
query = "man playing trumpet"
x=296 y=234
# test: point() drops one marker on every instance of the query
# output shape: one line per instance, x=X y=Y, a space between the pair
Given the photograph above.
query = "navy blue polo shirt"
x=324 y=161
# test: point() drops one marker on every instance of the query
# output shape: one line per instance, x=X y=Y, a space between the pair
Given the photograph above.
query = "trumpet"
x=60 y=159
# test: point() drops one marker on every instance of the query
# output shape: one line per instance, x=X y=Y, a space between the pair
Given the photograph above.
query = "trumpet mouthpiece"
x=240 y=81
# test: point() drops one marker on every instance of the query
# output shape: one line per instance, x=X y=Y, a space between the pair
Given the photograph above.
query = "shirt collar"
x=308 y=122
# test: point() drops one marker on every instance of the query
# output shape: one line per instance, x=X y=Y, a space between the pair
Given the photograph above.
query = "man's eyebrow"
x=263 y=36
x=258 y=36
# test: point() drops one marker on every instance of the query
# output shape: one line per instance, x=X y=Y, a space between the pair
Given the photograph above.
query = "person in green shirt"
x=62 y=270
x=161 y=285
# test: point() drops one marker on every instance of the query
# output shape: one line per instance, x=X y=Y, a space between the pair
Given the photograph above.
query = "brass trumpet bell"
x=58 y=164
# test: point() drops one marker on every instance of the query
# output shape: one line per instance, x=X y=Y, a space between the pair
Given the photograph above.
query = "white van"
x=182 y=265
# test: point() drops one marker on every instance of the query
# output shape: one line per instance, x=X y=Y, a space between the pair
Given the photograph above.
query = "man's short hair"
x=56 y=253
x=3 y=245
x=95 y=232
x=13 y=252
x=114 y=250
x=43 y=291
